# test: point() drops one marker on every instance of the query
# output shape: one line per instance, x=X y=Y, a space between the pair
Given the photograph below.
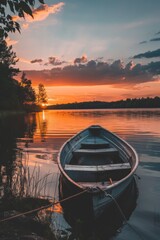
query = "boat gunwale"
x=107 y=187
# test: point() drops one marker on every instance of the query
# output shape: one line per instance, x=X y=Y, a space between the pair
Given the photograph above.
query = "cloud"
x=11 y=41
x=83 y=59
x=40 y=13
x=54 y=61
x=154 y=39
x=43 y=11
x=36 y=61
x=25 y=25
x=151 y=40
x=98 y=73
x=24 y=60
x=143 y=42
x=149 y=54
x=153 y=68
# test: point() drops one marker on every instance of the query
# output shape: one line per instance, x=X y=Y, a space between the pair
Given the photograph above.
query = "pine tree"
x=8 y=85
x=27 y=93
x=42 y=95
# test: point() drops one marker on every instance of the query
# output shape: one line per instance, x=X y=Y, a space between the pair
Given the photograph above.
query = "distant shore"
x=128 y=103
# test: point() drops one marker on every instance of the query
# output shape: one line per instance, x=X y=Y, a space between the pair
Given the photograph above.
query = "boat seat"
x=98 y=168
x=94 y=151
x=96 y=184
x=94 y=145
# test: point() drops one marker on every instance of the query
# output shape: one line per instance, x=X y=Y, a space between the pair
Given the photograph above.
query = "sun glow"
x=68 y=94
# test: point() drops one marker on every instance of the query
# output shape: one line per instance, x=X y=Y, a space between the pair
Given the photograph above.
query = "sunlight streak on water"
x=39 y=136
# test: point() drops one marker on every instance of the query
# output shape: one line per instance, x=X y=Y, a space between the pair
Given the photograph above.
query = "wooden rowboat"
x=98 y=163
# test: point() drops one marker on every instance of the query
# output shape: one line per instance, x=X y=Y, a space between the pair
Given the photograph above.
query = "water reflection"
x=112 y=219
x=42 y=122
x=35 y=139
x=120 y=121
x=12 y=126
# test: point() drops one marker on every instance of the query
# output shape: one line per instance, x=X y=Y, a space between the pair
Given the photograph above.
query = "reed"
x=26 y=189
x=27 y=182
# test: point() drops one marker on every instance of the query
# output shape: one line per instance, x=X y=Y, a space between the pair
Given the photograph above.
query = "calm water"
x=29 y=145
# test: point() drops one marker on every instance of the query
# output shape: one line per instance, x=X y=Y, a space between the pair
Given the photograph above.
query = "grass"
x=29 y=182
x=25 y=190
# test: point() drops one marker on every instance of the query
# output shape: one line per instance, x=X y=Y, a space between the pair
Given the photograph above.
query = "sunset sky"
x=92 y=50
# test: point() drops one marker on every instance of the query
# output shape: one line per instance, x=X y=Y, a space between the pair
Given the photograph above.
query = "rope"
x=43 y=207
x=68 y=198
x=121 y=212
x=56 y=186
x=116 y=203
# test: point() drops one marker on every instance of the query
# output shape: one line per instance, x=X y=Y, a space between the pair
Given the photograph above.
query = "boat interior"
x=97 y=161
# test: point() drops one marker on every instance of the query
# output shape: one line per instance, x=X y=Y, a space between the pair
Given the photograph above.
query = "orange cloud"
x=24 y=60
x=25 y=25
x=83 y=59
x=41 y=13
x=11 y=41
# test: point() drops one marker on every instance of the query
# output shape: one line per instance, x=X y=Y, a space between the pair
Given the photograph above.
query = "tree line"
x=15 y=94
x=128 y=103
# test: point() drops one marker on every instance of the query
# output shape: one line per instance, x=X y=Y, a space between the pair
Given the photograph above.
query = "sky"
x=103 y=50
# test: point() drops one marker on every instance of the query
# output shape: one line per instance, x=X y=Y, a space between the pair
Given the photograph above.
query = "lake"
x=29 y=144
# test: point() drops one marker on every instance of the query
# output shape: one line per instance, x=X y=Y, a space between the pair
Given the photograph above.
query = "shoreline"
x=101 y=108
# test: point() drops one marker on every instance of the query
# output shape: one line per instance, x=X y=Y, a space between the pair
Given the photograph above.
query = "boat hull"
x=95 y=194
x=105 y=198
x=84 y=225
x=90 y=203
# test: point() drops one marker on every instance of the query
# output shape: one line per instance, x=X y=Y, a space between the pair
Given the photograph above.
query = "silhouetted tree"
x=7 y=60
x=13 y=94
x=42 y=95
x=27 y=93
x=8 y=85
x=128 y=103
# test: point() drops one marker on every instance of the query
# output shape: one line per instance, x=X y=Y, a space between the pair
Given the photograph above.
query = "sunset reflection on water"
x=51 y=128
x=36 y=138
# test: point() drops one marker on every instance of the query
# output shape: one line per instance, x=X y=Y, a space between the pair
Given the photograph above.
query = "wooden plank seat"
x=97 y=184
x=98 y=168
x=94 y=151
x=94 y=145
